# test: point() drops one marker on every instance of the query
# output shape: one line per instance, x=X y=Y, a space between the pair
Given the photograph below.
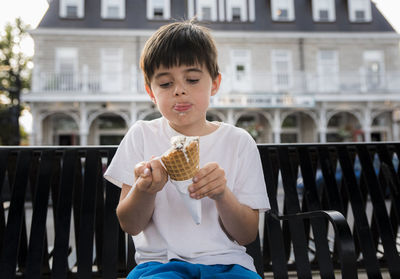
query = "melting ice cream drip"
x=181 y=143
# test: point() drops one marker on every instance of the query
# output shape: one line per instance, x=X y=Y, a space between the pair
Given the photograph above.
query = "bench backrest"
x=359 y=180
x=58 y=213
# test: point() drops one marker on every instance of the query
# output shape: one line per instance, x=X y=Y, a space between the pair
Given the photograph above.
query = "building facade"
x=292 y=70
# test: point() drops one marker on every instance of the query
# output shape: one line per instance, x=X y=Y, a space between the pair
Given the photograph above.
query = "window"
x=71 y=8
x=158 y=9
x=236 y=14
x=111 y=69
x=328 y=70
x=359 y=10
x=206 y=13
x=282 y=10
x=373 y=69
x=241 y=61
x=113 y=9
x=222 y=10
x=323 y=10
x=281 y=69
x=236 y=10
x=66 y=63
x=207 y=10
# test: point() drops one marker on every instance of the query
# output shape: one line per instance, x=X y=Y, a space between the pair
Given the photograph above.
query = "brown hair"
x=179 y=43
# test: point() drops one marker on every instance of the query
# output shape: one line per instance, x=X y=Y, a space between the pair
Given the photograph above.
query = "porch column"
x=133 y=113
x=83 y=125
x=395 y=131
x=230 y=119
x=366 y=126
x=32 y=136
x=322 y=125
x=395 y=125
x=277 y=126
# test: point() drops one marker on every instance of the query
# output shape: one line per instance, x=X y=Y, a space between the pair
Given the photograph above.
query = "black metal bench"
x=58 y=220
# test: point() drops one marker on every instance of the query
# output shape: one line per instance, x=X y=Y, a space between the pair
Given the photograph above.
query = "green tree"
x=15 y=77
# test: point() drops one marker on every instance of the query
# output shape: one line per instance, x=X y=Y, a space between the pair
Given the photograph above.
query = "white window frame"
x=276 y=5
x=166 y=10
x=66 y=81
x=69 y=53
x=328 y=81
x=281 y=55
x=374 y=56
x=328 y=5
x=241 y=57
x=80 y=4
x=104 y=9
x=116 y=80
x=360 y=5
x=242 y=4
x=212 y=4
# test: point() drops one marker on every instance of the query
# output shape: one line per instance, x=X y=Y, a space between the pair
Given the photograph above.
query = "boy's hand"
x=152 y=176
x=209 y=182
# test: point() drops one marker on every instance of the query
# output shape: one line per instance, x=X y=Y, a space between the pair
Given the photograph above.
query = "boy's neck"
x=202 y=130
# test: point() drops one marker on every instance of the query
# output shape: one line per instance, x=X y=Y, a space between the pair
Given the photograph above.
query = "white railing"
x=87 y=83
x=296 y=83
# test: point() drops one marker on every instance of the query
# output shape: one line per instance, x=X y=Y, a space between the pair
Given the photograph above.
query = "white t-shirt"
x=172 y=233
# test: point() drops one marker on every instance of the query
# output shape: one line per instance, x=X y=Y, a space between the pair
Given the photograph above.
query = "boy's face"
x=182 y=94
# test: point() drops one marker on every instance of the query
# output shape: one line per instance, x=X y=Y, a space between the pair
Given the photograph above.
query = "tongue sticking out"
x=182 y=107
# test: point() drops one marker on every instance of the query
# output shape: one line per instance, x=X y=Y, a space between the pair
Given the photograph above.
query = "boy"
x=181 y=73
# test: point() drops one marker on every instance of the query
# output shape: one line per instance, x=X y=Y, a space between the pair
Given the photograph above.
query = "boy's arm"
x=136 y=205
x=239 y=221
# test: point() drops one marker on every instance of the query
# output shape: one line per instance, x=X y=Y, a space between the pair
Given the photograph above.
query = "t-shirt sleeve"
x=129 y=153
x=250 y=188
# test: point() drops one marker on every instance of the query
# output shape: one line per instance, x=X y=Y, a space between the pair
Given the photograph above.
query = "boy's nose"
x=180 y=90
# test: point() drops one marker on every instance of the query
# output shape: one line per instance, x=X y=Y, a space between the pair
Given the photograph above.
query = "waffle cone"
x=182 y=164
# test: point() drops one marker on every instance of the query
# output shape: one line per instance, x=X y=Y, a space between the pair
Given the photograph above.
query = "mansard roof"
x=136 y=18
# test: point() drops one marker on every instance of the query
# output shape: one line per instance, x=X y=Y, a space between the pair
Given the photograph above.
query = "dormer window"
x=71 y=8
x=206 y=13
x=236 y=14
x=282 y=10
x=323 y=10
x=158 y=9
x=236 y=10
x=222 y=10
x=207 y=10
x=360 y=10
x=113 y=9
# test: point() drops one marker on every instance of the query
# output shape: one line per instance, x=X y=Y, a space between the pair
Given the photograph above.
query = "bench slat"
x=37 y=243
x=63 y=215
x=13 y=237
x=87 y=215
x=358 y=208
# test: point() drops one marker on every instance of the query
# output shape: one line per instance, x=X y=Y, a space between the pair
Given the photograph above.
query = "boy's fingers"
x=157 y=170
x=204 y=171
x=139 y=168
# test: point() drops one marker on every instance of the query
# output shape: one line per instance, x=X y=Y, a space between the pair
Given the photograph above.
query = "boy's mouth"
x=182 y=107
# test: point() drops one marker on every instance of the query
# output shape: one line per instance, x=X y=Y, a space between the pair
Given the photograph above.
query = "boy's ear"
x=150 y=93
x=215 y=85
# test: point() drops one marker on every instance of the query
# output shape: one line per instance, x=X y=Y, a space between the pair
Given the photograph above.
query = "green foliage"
x=15 y=78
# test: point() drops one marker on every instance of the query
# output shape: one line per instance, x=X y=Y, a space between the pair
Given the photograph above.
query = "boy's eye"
x=165 y=85
x=193 y=80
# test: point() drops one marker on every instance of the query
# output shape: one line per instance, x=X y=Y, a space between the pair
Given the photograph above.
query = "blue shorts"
x=183 y=270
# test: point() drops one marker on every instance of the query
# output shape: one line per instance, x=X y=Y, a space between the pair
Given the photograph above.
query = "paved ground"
x=361 y=275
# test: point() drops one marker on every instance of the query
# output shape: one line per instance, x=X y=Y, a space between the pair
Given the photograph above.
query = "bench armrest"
x=344 y=239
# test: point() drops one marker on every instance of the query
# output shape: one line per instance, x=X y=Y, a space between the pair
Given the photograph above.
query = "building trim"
x=221 y=34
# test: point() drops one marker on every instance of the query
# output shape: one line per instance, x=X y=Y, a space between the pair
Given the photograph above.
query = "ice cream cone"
x=182 y=164
x=182 y=161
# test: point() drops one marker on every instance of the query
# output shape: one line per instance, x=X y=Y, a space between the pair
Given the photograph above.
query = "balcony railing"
x=87 y=83
x=296 y=83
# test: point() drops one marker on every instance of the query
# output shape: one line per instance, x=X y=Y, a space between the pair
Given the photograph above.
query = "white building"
x=293 y=70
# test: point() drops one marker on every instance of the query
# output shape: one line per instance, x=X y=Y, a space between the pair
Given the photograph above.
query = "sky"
x=32 y=11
